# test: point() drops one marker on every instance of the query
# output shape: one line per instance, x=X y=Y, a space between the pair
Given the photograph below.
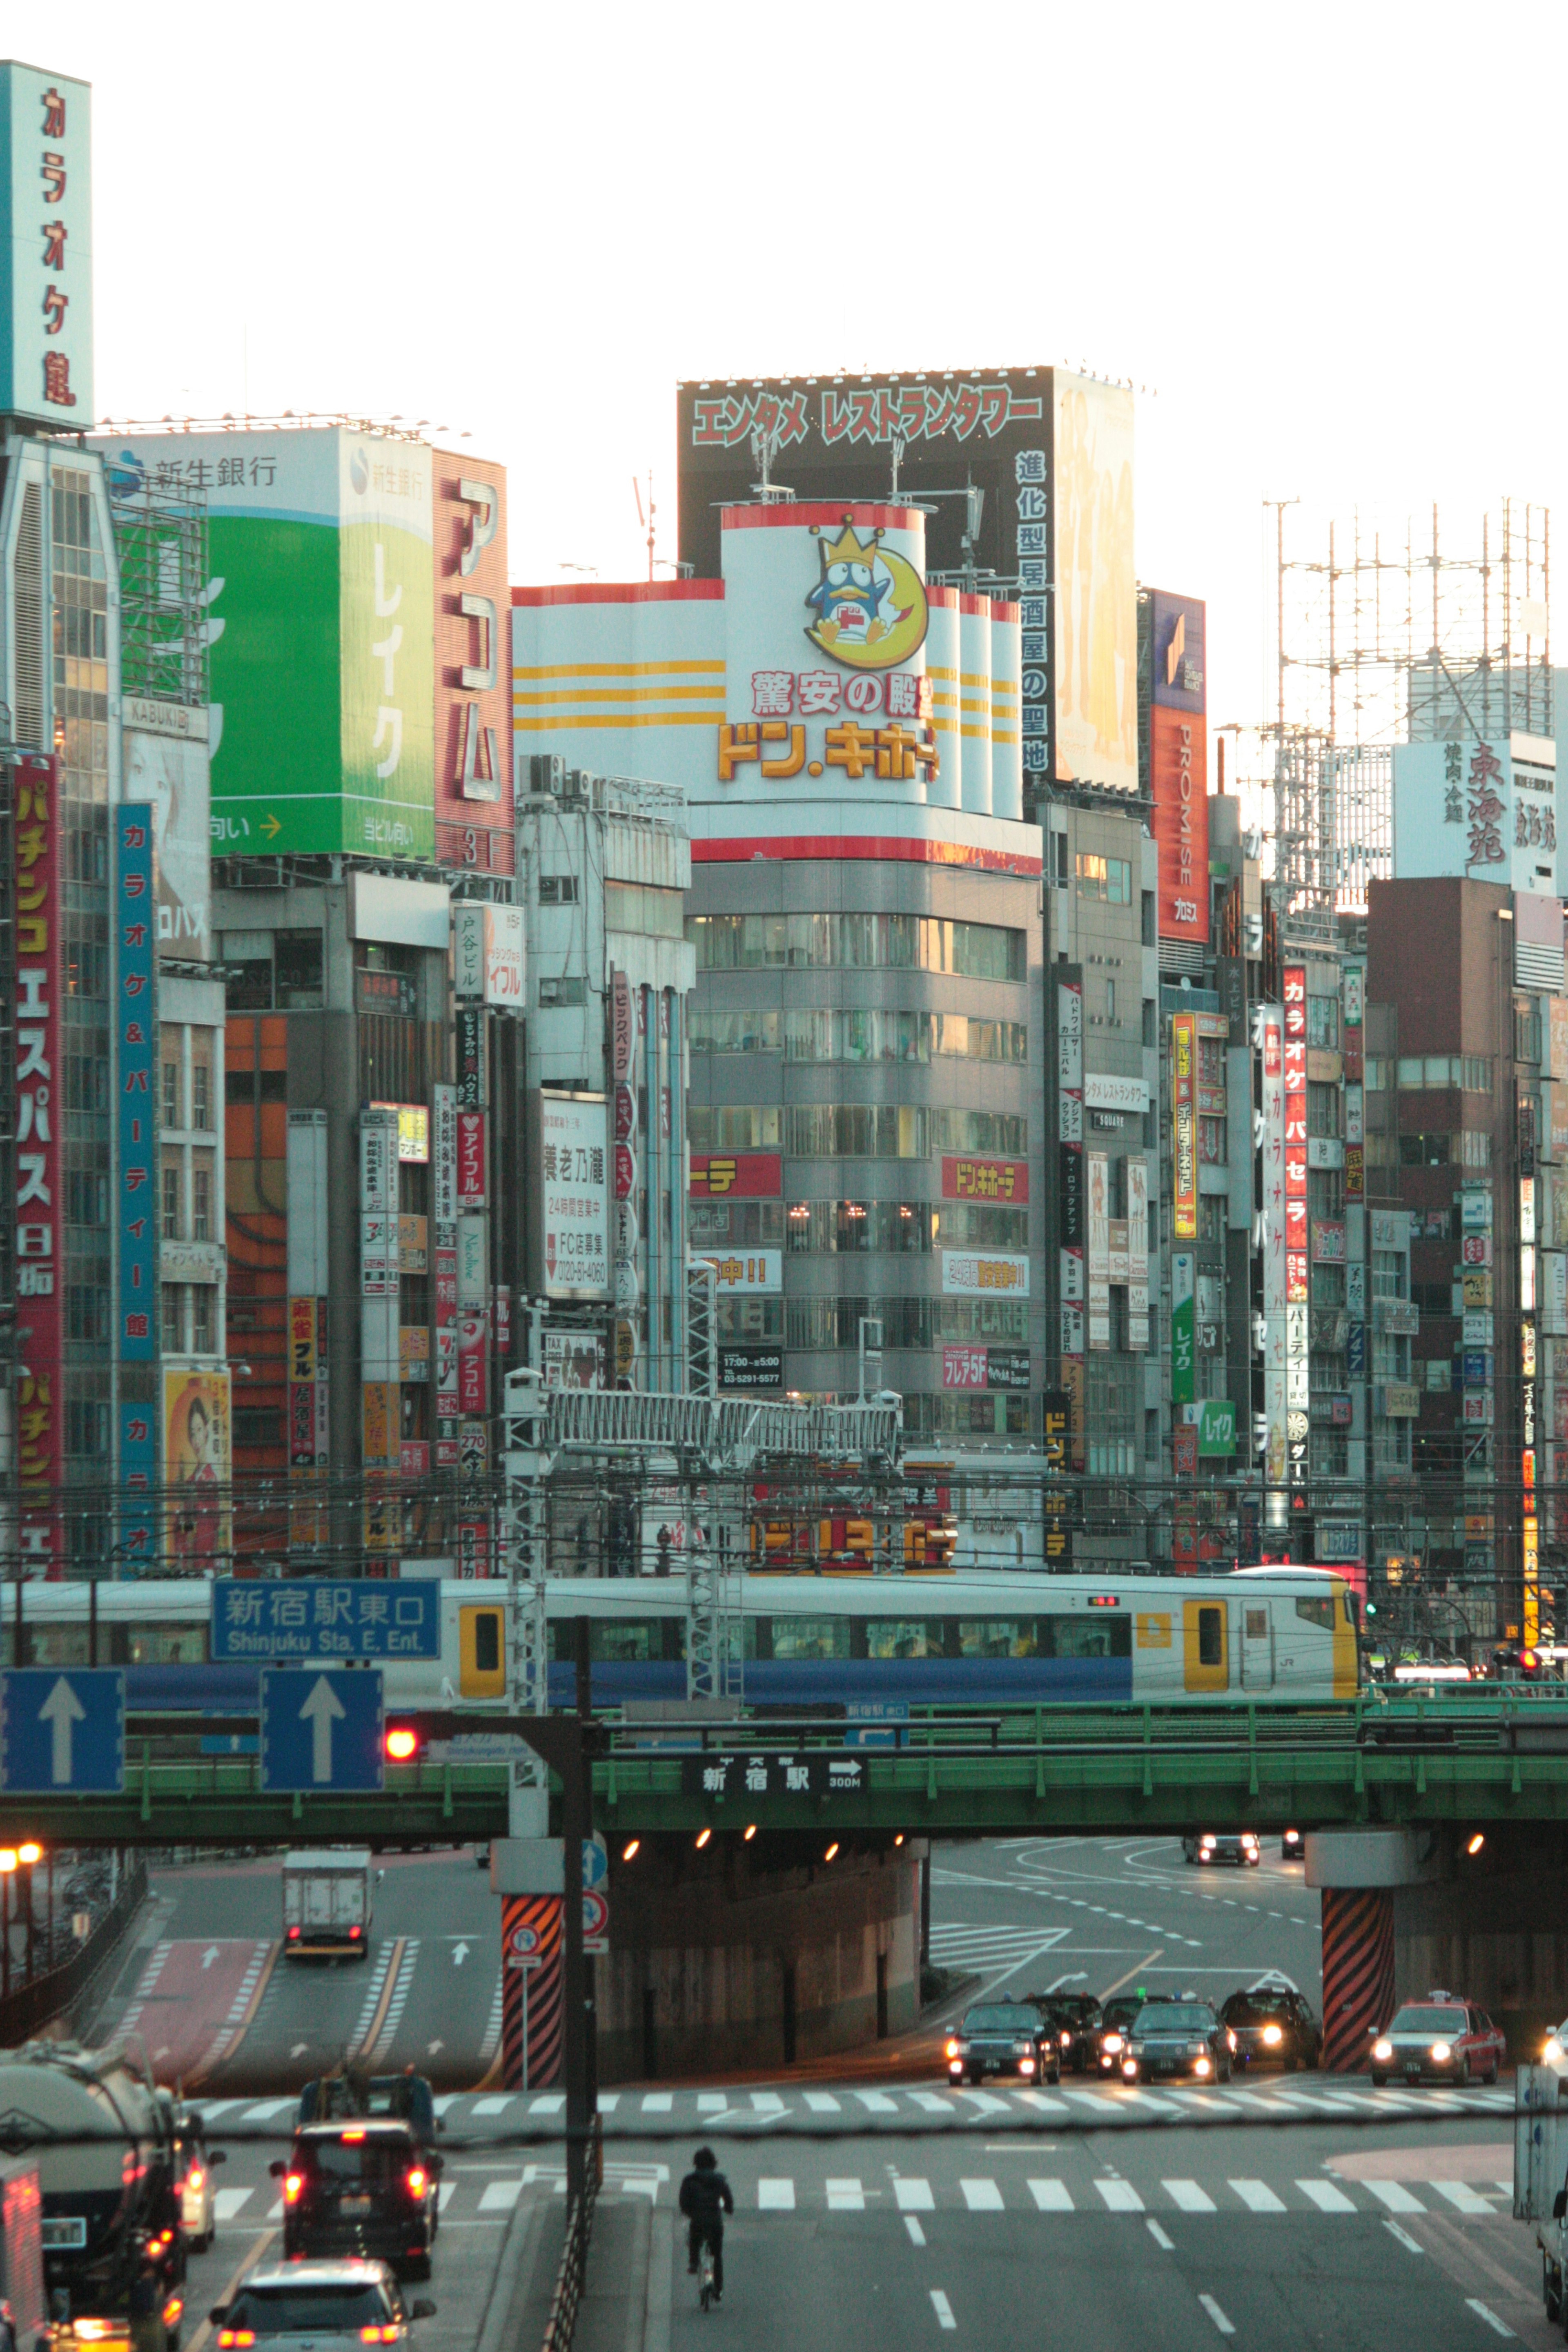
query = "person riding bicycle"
x=705 y=2198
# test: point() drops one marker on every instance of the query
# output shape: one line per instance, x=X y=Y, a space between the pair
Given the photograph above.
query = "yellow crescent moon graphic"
x=909 y=617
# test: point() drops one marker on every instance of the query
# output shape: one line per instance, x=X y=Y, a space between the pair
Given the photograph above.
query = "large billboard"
x=1486 y=811
x=473 y=657
x=165 y=764
x=321 y=575
x=197 y=1464
x=45 y=247
x=1178 y=782
x=37 y=1166
x=1096 y=600
x=571 y=1168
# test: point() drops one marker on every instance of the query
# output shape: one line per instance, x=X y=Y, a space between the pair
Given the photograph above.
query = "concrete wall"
x=708 y=1954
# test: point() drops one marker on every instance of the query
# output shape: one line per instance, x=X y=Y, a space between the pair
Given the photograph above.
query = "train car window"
x=997 y=1637
x=1316 y=1612
x=487 y=1641
x=625 y=1640
x=56 y=1645
x=1087 y=1637
x=905 y=1637
x=1256 y=1624
x=1351 y=1601
x=803 y=1638
x=166 y=1645
x=672 y=1639
x=1211 y=1637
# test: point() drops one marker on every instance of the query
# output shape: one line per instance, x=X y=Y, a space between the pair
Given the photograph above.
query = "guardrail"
x=571 y=2277
x=49 y=1995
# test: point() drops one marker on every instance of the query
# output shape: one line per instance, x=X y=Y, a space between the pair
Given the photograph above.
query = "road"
x=871 y=2205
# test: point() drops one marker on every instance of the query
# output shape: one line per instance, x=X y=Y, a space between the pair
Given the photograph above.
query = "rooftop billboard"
x=45 y=247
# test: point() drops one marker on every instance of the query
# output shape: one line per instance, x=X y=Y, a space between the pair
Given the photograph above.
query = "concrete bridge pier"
x=1478 y=1910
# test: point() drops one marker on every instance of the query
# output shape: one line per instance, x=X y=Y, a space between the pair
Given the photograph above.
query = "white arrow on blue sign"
x=595 y=1862
x=62 y=1730
x=321 y=1729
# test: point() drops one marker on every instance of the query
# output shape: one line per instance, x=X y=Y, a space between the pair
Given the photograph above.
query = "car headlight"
x=1200 y=2066
x=1247 y=1840
x=1066 y=2041
x=1130 y=2067
x=1207 y=1845
x=955 y=2050
x=1272 y=2036
x=1552 y=2053
x=1442 y=2049
x=1114 y=2042
x=1382 y=2049
x=1230 y=2038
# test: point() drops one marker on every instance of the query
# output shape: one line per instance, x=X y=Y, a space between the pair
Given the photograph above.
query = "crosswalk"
x=477 y=2200
x=1320 y=2098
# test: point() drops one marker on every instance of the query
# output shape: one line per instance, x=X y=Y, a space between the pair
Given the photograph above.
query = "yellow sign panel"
x=1154 y=1630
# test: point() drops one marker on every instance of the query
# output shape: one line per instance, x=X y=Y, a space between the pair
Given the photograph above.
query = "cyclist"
x=705 y=2198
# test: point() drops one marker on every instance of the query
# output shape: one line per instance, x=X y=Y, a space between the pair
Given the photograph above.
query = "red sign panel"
x=40 y=1196
x=625 y=1171
x=470 y=1159
x=737 y=1176
x=1178 y=779
x=963 y=1368
x=473 y=1360
x=984 y=1179
x=1298 y=1284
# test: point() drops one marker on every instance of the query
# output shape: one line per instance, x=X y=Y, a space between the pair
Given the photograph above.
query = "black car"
x=1002 y=2037
x=1292 y=1845
x=1074 y=2018
x=1177 y=2037
x=1272 y=2024
x=1108 y=2044
x=365 y=2188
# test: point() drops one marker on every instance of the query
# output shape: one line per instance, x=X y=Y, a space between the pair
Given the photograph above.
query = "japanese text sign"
x=325 y=1620
x=45 y=247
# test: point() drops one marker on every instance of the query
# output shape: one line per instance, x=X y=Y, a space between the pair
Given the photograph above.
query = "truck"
x=22 y=2252
x=327 y=1899
x=97 y=2134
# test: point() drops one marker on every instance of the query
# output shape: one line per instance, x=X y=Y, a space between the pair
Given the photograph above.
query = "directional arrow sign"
x=62 y=1730
x=321 y=1729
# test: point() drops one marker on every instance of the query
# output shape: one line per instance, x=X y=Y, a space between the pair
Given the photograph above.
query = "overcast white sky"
x=1331 y=237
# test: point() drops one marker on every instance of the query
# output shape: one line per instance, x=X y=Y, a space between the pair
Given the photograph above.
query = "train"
x=961 y=1638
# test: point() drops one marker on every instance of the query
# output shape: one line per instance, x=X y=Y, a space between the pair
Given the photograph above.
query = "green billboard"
x=320 y=618
x=1184 y=1327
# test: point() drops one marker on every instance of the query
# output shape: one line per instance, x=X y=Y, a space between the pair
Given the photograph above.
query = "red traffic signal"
x=402 y=1742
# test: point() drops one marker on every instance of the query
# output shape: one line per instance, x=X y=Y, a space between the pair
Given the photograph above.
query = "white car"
x=194 y=2181
x=330 y=2307
x=1554 y=2051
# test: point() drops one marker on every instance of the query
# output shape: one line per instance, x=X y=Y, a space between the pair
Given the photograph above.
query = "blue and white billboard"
x=45 y=247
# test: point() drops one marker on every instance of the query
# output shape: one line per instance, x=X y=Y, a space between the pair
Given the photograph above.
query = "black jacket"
x=706 y=2196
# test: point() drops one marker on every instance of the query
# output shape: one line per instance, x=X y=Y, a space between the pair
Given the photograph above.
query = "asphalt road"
x=1099 y=1914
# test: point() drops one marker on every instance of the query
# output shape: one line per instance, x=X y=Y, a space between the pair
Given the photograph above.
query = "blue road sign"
x=312 y=1618
x=62 y=1730
x=320 y=1729
x=595 y=1861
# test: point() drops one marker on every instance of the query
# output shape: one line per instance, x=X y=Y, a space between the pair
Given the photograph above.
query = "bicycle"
x=705 y=2294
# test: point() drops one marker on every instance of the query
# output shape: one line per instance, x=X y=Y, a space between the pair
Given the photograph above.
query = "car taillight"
x=387 y=2334
x=293 y=1935
x=416 y=2177
x=173 y=2309
x=293 y=2182
x=240 y=2337
x=354 y=1934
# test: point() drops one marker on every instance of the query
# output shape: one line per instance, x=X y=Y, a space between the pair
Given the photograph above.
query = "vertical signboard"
x=1297 y=1276
x=1137 y=1253
x=1072 y=1208
x=1178 y=763
x=470 y=1160
x=1098 y=1168
x=45 y=247
x=473 y=689
x=1183 y=1126
x=40 y=1208
x=380 y=1410
x=197 y=1464
x=443 y=1176
x=135 y=1041
x=310 y=1287
x=1184 y=1326
x=1056 y=1445
x=571 y=1171
x=165 y=762
x=1095 y=605
x=1271 y=1031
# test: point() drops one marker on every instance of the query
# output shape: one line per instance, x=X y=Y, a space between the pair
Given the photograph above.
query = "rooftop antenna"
x=899 y=441
x=646 y=522
x=765 y=440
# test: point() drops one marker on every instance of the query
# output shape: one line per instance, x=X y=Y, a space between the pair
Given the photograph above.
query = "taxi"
x=1442 y=2039
x=1180 y=2036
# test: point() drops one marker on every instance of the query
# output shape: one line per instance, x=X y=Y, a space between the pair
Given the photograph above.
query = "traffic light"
x=402 y=1743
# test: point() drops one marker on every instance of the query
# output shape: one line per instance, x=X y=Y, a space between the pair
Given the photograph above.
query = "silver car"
x=305 y=2306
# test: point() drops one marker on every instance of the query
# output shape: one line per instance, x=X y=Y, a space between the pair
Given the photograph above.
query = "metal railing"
x=572 y=2277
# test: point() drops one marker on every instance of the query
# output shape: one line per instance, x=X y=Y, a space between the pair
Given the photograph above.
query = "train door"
x=1257 y=1645
x=1205 y=1646
x=481 y=1651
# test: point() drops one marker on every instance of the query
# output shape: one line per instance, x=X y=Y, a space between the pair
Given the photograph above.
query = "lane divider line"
x=943 y=2308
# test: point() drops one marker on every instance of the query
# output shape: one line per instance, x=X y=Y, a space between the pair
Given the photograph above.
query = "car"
x=1074 y=2018
x=1109 y=2041
x=1554 y=2051
x=194 y=2164
x=1292 y=1845
x=1442 y=2039
x=367 y=2187
x=327 y=2306
x=1272 y=2023
x=1002 y=2037
x=1180 y=2036
x=1239 y=1846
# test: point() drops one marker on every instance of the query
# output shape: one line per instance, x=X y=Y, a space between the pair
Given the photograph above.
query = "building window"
x=203 y=1298
x=174 y=1294
x=172 y=1095
x=1323 y=1109
x=858 y=942
x=201 y=1201
x=87 y=1428
x=1110 y=1003
x=200 y=1094
x=171 y=1177
x=1109 y=878
x=87 y=1311
x=297 y=970
x=1426 y=1150
x=558 y=890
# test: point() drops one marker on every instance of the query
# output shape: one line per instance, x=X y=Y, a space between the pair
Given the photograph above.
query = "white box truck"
x=327 y=1899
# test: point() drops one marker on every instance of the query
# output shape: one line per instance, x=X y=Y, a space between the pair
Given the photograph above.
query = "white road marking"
x=943 y=2308
x=1326 y=2197
x=981 y=2196
x=1217 y=2315
x=1051 y=2196
x=1403 y=2236
x=1490 y=2317
x=1460 y=2193
x=877 y=2103
x=713 y=2103
x=767 y=2103
x=1257 y=2197
x=913 y=2196
x=1119 y=2196
x=823 y=2103
x=1187 y=2196
x=549 y=2102
x=1166 y=2245
x=228 y=2202
x=775 y=2196
x=1397 y=2198
x=845 y=2197
x=917 y=2235
x=657 y=2103
x=931 y=2101
x=492 y=2106
x=501 y=2196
